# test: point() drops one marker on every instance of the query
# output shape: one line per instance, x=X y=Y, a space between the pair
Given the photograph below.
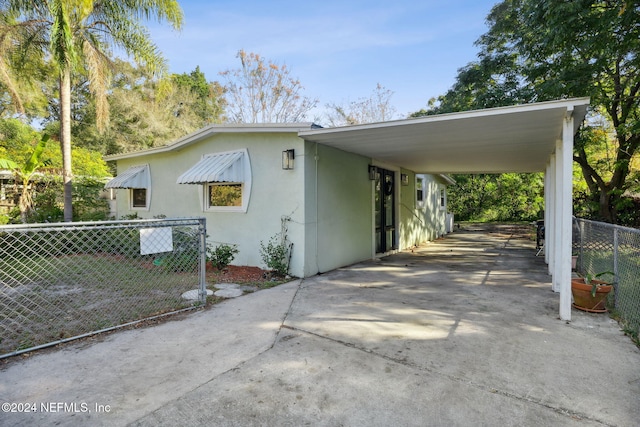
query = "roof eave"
x=571 y=104
x=447 y=179
x=217 y=129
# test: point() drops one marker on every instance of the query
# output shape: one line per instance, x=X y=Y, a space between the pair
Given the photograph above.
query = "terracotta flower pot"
x=582 y=298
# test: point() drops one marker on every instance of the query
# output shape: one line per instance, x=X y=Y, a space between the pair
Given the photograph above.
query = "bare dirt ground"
x=251 y=278
x=504 y=230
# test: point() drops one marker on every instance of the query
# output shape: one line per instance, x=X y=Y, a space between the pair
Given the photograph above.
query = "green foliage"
x=8 y=164
x=208 y=103
x=88 y=205
x=540 y=50
x=16 y=140
x=131 y=216
x=78 y=38
x=476 y=87
x=222 y=255
x=23 y=174
x=505 y=197
x=47 y=201
x=146 y=111
x=595 y=280
x=275 y=255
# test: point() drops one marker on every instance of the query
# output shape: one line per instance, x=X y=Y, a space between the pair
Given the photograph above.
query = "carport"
x=527 y=138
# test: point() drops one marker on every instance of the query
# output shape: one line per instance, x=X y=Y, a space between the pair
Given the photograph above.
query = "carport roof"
x=507 y=139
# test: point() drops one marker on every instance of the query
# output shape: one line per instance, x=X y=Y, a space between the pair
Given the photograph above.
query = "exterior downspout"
x=317 y=158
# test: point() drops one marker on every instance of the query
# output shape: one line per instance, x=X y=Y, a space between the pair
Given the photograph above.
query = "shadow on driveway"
x=463 y=331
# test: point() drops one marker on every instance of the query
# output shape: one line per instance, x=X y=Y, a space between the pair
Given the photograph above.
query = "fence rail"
x=65 y=281
x=605 y=247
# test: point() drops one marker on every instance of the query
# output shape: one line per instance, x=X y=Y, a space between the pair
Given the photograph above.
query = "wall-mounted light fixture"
x=404 y=179
x=372 y=172
x=287 y=159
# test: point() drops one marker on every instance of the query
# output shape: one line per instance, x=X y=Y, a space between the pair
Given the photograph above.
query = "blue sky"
x=339 y=50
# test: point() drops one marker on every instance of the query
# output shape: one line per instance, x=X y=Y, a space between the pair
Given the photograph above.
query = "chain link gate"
x=64 y=281
x=603 y=247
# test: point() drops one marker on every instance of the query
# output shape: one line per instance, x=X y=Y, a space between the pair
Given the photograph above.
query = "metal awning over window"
x=134 y=177
x=221 y=167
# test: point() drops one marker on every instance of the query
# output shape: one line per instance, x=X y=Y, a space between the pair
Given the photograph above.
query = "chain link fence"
x=65 y=281
x=603 y=247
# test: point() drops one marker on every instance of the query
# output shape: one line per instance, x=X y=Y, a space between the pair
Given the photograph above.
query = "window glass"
x=139 y=197
x=225 y=195
x=419 y=189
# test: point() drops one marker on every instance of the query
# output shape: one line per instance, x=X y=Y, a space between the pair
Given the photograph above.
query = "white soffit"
x=508 y=139
x=134 y=177
x=221 y=167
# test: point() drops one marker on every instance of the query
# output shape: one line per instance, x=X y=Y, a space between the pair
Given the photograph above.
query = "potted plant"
x=590 y=293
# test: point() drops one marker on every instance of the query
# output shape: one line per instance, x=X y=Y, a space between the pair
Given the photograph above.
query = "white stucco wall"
x=326 y=201
x=344 y=231
x=275 y=193
x=339 y=206
x=421 y=222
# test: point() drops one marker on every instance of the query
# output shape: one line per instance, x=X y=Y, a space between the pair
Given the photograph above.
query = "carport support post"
x=547 y=203
x=549 y=216
x=564 y=214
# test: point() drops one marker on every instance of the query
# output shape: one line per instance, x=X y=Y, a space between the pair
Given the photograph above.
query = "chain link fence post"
x=607 y=247
x=202 y=231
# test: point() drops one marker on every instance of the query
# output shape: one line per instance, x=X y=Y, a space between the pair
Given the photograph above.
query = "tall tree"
x=538 y=50
x=375 y=108
x=264 y=92
x=77 y=37
x=497 y=197
x=145 y=111
x=581 y=48
x=208 y=97
x=492 y=81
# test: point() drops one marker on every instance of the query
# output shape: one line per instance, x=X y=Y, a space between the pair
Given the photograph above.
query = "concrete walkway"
x=461 y=332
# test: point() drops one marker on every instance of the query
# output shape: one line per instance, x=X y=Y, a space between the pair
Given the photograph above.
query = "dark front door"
x=385 y=212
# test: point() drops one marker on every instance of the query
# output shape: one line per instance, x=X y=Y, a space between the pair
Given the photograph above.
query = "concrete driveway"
x=461 y=332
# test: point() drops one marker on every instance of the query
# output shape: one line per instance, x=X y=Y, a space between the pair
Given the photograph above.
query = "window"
x=137 y=180
x=224 y=195
x=224 y=181
x=443 y=199
x=138 y=197
x=420 y=185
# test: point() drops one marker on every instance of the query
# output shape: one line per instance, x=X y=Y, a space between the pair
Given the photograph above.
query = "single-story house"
x=354 y=191
x=253 y=182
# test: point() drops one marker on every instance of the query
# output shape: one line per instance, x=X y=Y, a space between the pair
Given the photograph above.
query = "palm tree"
x=24 y=173
x=78 y=37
